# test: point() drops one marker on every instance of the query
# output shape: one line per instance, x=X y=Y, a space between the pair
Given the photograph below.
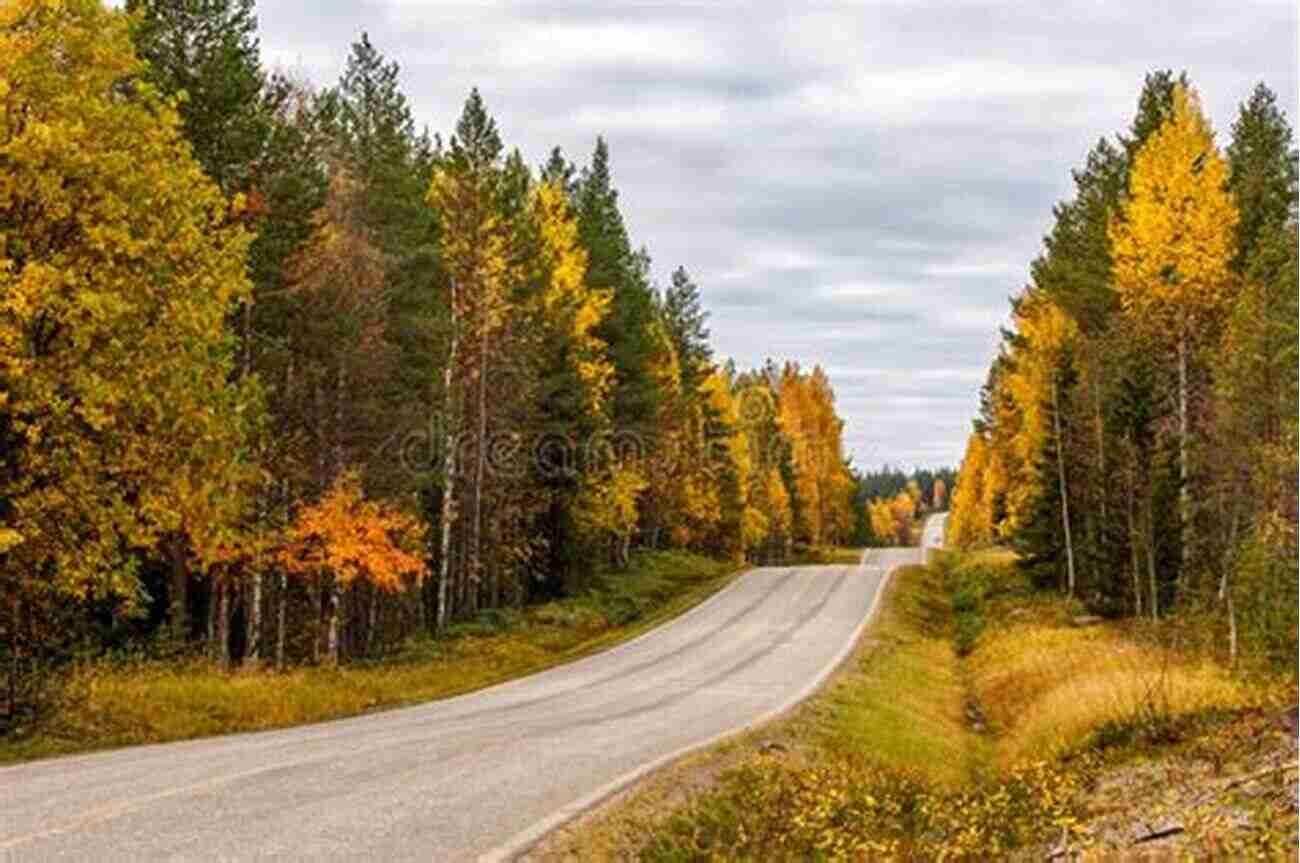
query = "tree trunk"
x=1184 y=491
x=372 y=621
x=332 y=645
x=1151 y=558
x=1101 y=443
x=1134 y=552
x=214 y=597
x=1065 y=496
x=15 y=608
x=449 y=467
x=340 y=458
x=476 y=539
x=180 y=579
x=316 y=587
x=223 y=624
x=253 y=653
x=281 y=619
x=1232 y=547
x=421 y=609
x=1232 y=632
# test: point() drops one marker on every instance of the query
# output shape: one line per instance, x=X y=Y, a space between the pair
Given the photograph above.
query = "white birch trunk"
x=449 y=468
x=1065 y=496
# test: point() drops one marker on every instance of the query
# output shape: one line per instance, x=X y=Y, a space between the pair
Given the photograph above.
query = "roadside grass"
x=1050 y=691
x=883 y=764
x=1051 y=681
x=104 y=704
x=864 y=769
x=901 y=701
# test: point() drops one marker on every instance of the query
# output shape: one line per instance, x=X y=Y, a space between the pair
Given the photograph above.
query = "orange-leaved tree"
x=348 y=538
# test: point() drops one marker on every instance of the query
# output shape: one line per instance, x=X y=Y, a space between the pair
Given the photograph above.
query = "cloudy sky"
x=860 y=186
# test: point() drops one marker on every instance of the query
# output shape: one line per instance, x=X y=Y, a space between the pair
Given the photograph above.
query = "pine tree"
x=208 y=50
x=686 y=319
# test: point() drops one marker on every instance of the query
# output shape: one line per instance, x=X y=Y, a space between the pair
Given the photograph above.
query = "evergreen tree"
x=613 y=266
x=1262 y=172
x=686 y=319
x=208 y=50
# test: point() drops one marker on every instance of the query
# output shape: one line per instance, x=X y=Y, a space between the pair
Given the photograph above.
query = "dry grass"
x=1047 y=690
x=106 y=705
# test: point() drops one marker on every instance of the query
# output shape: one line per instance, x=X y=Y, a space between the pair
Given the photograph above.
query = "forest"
x=889 y=502
x=1137 y=436
x=286 y=379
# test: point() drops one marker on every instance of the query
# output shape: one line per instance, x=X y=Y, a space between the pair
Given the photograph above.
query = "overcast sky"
x=860 y=187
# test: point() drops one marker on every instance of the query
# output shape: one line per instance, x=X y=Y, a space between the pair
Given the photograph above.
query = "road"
x=475 y=777
x=932 y=533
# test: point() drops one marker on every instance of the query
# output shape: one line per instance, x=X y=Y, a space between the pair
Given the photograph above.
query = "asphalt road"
x=475 y=777
x=932 y=535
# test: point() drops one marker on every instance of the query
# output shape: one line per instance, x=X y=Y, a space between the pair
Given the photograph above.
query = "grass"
x=107 y=705
x=1048 y=686
x=1052 y=690
x=902 y=701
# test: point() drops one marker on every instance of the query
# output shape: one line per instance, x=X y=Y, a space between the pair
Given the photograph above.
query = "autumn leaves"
x=231 y=304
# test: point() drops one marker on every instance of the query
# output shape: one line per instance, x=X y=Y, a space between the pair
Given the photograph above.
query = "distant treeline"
x=887 y=500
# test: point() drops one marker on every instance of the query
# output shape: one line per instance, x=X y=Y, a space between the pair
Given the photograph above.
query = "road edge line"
x=527 y=838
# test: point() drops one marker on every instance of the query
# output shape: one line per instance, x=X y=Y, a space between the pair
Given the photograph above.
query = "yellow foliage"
x=806 y=416
x=569 y=305
x=1045 y=332
x=606 y=506
x=970 y=521
x=891 y=518
x=1175 y=237
x=119 y=268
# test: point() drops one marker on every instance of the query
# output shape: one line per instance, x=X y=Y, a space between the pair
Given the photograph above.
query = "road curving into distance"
x=481 y=776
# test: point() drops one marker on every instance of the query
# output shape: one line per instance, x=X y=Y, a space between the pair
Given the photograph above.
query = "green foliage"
x=206 y=52
x=614 y=266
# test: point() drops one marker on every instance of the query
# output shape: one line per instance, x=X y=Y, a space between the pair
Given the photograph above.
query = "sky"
x=859 y=186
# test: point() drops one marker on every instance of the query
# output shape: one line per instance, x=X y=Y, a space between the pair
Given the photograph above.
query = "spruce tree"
x=1262 y=172
x=614 y=266
x=686 y=318
x=208 y=49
